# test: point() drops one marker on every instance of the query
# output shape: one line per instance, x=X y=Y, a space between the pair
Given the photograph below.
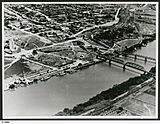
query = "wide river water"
x=52 y=96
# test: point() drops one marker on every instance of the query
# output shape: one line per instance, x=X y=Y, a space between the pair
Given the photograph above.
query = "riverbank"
x=49 y=97
x=44 y=76
x=108 y=95
x=48 y=74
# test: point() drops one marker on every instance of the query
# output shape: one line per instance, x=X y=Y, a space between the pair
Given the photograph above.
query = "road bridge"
x=135 y=56
x=123 y=63
x=133 y=65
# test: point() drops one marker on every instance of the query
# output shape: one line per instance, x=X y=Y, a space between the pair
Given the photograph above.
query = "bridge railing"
x=118 y=60
x=138 y=55
x=124 y=64
x=134 y=65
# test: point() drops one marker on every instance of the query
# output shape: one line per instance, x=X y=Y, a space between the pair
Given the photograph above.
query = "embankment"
x=108 y=94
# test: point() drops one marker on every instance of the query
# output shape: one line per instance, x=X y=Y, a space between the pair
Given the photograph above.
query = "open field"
x=128 y=42
x=9 y=34
x=51 y=59
x=29 y=42
x=139 y=107
x=23 y=67
x=147 y=28
x=150 y=99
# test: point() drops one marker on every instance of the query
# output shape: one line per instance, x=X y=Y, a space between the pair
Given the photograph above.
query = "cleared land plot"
x=147 y=28
x=23 y=40
x=51 y=59
x=29 y=42
x=7 y=61
x=148 y=12
x=9 y=34
x=139 y=108
x=128 y=42
x=150 y=99
x=66 y=53
x=17 y=68
x=23 y=67
x=69 y=51
x=56 y=49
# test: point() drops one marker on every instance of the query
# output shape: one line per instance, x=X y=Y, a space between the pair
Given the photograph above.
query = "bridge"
x=140 y=57
x=123 y=63
x=133 y=65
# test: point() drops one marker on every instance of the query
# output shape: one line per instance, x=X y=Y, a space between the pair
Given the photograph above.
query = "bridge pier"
x=117 y=55
x=145 y=72
x=109 y=62
x=125 y=55
x=124 y=67
x=145 y=60
x=135 y=57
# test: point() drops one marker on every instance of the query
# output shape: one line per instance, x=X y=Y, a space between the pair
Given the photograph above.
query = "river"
x=52 y=96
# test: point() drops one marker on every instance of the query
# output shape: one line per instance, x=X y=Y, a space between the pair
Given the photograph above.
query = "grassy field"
x=8 y=34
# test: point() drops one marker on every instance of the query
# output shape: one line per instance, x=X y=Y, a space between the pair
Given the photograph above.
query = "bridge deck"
x=129 y=64
x=134 y=65
x=138 y=55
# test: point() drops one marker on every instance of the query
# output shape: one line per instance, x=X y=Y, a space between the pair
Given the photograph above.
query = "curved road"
x=97 y=26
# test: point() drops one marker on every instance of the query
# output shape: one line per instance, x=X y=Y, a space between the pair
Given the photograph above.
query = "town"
x=42 y=41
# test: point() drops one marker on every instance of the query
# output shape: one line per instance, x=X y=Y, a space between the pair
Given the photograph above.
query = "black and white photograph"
x=80 y=60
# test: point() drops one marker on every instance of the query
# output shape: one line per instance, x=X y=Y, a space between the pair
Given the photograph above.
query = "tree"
x=6 y=22
x=34 y=52
x=120 y=108
x=12 y=86
x=66 y=110
x=80 y=64
x=35 y=80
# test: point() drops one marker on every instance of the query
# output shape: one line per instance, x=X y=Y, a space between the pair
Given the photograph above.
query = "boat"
x=44 y=78
x=61 y=74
